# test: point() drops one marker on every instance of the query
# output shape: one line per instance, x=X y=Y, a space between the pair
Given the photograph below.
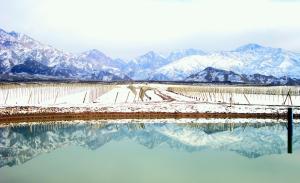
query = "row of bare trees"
x=35 y=94
x=258 y=95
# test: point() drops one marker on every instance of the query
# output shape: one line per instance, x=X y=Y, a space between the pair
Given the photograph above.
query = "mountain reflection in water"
x=22 y=143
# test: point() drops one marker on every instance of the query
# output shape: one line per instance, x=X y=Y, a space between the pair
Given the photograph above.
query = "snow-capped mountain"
x=248 y=59
x=176 y=55
x=211 y=74
x=21 y=54
x=96 y=60
x=15 y=48
x=20 y=144
x=142 y=67
x=23 y=57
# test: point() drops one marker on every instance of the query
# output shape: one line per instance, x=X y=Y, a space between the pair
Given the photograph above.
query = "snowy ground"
x=122 y=99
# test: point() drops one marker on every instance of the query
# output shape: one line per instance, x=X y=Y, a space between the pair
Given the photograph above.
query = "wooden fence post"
x=290 y=130
x=116 y=97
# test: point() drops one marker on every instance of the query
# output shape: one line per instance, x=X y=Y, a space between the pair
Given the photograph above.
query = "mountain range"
x=22 y=58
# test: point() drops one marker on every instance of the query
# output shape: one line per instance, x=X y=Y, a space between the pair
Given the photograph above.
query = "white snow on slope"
x=249 y=59
x=185 y=67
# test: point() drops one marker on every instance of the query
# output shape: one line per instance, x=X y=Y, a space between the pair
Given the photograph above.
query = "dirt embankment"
x=53 y=114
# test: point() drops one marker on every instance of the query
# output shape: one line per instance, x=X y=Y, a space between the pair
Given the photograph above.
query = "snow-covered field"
x=156 y=98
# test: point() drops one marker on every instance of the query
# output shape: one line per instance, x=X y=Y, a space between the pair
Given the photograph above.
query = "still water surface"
x=144 y=152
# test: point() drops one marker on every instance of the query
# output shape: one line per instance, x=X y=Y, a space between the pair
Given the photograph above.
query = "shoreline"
x=68 y=116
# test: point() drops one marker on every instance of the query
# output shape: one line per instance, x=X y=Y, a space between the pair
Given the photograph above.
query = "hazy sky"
x=127 y=28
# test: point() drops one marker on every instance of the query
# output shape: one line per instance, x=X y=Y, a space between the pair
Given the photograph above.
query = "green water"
x=131 y=155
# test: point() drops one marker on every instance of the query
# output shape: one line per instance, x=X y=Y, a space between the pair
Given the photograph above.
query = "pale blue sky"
x=129 y=28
